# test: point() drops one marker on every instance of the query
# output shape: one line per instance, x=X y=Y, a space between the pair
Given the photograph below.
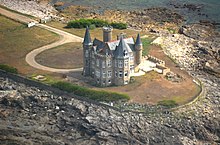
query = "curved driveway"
x=64 y=38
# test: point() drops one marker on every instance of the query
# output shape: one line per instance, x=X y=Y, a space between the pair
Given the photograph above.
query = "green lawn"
x=17 y=40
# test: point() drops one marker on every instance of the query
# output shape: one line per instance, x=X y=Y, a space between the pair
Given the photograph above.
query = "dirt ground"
x=67 y=56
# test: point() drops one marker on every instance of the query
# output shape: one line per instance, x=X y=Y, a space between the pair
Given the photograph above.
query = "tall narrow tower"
x=87 y=46
x=107 y=34
x=138 y=49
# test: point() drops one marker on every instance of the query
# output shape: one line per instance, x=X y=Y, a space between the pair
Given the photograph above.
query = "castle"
x=111 y=62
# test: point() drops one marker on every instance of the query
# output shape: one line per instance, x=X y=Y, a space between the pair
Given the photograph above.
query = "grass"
x=69 y=55
x=97 y=32
x=17 y=40
x=101 y=96
x=146 y=43
x=8 y=68
x=167 y=103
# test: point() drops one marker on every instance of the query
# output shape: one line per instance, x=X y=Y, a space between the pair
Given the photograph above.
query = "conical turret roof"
x=138 y=40
x=87 y=39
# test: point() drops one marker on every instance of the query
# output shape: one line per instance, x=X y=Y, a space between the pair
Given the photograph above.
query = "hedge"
x=8 y=68
x=119 y=25
x=83 y=23
x=167 y=103
x=102 y=96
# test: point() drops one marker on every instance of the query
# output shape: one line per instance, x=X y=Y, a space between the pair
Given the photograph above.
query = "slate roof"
x=138 y=40
x=87 y=39
x=122 y=49
x=113 y=44
x=127 y=44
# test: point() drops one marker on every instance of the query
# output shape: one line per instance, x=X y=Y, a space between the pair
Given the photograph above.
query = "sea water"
x=210 y=9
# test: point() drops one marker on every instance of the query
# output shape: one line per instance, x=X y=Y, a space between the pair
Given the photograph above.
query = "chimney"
x=107 y=33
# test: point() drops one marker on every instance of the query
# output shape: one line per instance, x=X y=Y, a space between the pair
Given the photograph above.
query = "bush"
x=119 y=25
x=91 y=94
x=8 y=68
x=92 y=27
x=83 y=23
x=167 y=103
x=93 y=23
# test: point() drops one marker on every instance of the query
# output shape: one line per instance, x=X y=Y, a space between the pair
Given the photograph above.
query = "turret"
x=138 y=49
x=87 y=46
x=107 y=34
x=122 y=67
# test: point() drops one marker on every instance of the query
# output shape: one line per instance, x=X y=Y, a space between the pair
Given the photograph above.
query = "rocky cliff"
x=36 y=115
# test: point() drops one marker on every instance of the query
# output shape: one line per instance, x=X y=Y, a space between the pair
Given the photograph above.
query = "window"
x=97 y=62
x=116 y=74
x=126 y=82
x=126 y=63
x=87 y=63
x=93 y=62
x=97 y=80
x=126 y=74
x=103 y=64
x=109 y=63
x=97 y=74
x=104 y=74
x=116 y=63
x=132 y=58
x=120 y=74
x=125 y=53
x=132 y=68
x=109 y=74
x=87 y=53
x=120 y=63
x=103 y=82
x=109 y=81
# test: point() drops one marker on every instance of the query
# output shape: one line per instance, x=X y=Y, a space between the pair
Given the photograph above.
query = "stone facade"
x=111 y=62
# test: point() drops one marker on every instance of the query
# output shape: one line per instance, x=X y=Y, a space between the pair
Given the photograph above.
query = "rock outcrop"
x=34 y=115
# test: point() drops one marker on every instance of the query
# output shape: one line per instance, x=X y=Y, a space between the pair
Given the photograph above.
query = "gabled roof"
x=122 y=49
x=113 y=44
x=87 y=39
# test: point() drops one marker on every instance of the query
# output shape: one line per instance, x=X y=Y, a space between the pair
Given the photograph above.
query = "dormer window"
x=125 y=53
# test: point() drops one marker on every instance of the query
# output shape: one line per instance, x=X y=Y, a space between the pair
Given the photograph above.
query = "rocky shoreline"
x=36 y=8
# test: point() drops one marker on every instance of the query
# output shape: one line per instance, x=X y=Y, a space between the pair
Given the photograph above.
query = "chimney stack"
x=107 y=33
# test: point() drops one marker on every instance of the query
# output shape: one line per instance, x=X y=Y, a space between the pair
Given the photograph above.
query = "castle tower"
x=87 y=46
x=107 y=34
x=138 y=49
x=122 y=67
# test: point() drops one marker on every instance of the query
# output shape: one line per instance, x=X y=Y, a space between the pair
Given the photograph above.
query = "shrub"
x=119 y=25
x=93 y=23
x=91 y=27
x=83 y=23
x=167 y=103
x=91 y=94
x=8 y=68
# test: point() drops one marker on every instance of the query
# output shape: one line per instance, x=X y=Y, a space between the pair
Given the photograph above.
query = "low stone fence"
x=200 y=94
